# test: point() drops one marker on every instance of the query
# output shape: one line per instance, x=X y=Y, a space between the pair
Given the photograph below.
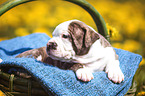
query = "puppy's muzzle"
x=51 y=46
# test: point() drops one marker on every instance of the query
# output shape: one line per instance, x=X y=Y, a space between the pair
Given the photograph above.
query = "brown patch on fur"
x=34 y=53
x=63 y=65
x=82 y=37
x=76 y=66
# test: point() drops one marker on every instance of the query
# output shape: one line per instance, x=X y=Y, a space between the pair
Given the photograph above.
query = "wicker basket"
x=11 y=85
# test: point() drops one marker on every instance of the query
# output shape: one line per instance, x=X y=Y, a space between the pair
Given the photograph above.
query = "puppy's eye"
x=65 y=36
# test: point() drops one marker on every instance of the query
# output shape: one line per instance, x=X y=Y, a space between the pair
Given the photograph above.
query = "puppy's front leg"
x=39 y=54
x=82 y=73
x=114 y=72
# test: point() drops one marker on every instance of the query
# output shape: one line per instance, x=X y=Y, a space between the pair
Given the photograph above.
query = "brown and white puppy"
x=82 y=49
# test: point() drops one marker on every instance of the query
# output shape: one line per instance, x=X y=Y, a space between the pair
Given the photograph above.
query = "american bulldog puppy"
x=79 y=47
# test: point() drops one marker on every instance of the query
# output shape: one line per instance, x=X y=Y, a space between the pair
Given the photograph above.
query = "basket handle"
x=98 y=19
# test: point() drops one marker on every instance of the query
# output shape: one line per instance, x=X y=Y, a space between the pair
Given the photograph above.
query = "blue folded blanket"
x=64 y=82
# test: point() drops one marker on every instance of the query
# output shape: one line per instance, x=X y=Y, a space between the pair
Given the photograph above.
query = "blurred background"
x=125 y=19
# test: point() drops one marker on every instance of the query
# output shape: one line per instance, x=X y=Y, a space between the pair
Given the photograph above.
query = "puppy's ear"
x=77 y=35
x=90 y=37
x=82 y=37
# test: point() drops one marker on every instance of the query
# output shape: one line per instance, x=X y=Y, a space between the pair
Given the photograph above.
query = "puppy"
x=79 y=47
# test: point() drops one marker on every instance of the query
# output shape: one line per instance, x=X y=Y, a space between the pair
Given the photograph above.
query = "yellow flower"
x=131 y=45
x=117 y=45
x=141 y=93
x=11 y=19
x=114 y=34
x=42 y=30
x=3 y=38
x=142 y=62
x=21 y=32
x=1 y=93
x=51 y=21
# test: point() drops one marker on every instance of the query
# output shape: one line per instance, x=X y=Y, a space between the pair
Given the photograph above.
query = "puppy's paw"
x=39 y=58
x=115 y=74
x=84 y=75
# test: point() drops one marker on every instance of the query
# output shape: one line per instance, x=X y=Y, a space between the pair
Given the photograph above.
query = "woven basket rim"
x=10 y=83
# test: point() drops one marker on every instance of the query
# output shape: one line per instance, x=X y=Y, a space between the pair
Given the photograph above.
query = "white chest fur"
x=97 y=57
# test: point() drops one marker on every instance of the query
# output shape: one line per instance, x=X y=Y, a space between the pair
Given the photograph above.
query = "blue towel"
x=64 y=82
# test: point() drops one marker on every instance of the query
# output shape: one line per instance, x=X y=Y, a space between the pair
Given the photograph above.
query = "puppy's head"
x=70 y=39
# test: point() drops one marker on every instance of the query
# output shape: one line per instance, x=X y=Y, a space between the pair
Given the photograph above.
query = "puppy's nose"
x=51 y=45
